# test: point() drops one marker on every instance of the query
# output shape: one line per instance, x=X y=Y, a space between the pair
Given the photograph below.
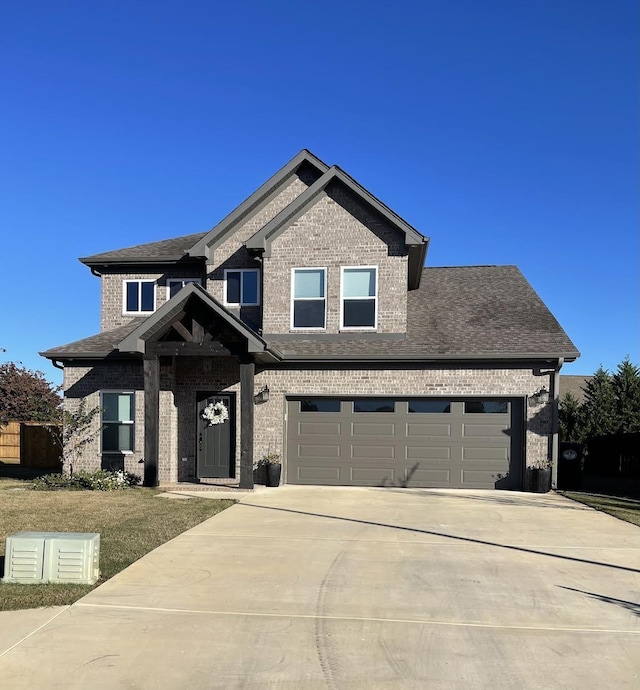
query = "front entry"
x=215 y=435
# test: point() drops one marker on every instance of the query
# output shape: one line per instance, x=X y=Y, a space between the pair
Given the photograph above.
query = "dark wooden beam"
x=247 y=373
x=183 y=331
x=151 y=368
x=175 y=348
x=197 y=329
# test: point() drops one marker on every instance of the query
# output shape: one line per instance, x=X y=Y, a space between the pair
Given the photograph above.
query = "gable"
x=305 y=166
x=339 y=186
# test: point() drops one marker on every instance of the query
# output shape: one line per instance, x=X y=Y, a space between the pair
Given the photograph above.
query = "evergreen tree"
x=571 y=419
x=626 y=387
x=599 y=409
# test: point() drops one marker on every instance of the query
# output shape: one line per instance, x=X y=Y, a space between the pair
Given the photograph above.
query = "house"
x=305 y=323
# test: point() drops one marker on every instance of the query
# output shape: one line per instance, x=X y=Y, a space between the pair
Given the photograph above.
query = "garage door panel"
x=316 y=474
x=319 y=428
x=428 y=476
x=373 y=476
x=498 y=453
x=428 y=453
x=429 y=430
x=405 y=447
x=484 y=430
x=373 y=451
x=368 y=430
x=478 y=478
x=318 y=451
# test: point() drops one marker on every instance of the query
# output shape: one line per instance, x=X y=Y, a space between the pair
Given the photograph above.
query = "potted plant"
x=269 y=466
x=540 y=477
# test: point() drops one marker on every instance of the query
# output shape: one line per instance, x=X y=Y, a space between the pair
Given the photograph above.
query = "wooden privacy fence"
x=30 y=444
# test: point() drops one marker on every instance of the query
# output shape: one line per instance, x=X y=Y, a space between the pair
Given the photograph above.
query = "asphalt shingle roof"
x=175 y=248
x=99 y=345
x=458 y=312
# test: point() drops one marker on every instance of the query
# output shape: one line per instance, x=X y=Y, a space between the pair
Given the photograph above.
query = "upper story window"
x=118 y=421
x=359 y=297
x=139 y=296
x=242 y=287
x=176 y=284
x=308 y=298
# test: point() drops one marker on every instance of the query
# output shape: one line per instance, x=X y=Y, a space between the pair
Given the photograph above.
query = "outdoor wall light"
x=540 y=397
x=262 y=396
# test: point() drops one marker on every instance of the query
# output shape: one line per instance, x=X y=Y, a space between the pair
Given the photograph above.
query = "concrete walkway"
x=357 y=588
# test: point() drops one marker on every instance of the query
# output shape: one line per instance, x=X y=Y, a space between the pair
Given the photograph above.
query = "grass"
x=627 y=509
x=131 y=523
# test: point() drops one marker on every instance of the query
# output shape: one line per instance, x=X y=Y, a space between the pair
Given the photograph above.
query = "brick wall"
x=112 y=291
x=337 y=231
x=178 y=401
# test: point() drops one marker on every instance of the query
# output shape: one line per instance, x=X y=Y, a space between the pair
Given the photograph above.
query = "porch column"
x=151 y=367
x=247 y=373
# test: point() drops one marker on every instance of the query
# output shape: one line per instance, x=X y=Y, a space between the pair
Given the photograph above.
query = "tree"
x=599 y=408
x=26 y=395
x=626 y=388
x=571 y=419
x=77 y=432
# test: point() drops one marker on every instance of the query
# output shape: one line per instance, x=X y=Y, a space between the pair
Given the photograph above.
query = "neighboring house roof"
x=458 y=313
x=574 y=385
x=262 y=196
x=416 y=243
x=466 y=312
x=164 y=251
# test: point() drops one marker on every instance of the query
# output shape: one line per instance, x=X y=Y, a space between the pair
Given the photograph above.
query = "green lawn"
x=131 y=523
x=627 y=509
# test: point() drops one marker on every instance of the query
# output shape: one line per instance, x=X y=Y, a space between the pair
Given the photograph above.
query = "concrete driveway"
x=357 y=588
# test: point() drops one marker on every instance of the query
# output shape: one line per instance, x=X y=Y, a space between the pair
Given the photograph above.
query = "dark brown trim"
x=247 y=374
x=151 y=368
x=178 y=349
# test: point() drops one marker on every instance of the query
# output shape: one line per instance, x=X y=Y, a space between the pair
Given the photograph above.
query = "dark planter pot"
x=260 y=475
x=273 y=474
x=540 y=480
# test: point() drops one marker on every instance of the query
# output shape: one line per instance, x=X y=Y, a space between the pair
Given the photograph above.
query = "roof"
x=162 y=319
x=163 y=251
x=458 y=313
x=573 y=384
x=466 y=312
x=96 y=346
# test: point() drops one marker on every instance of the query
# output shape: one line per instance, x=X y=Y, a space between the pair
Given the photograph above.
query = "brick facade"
x=191 y=375
x=337 y=231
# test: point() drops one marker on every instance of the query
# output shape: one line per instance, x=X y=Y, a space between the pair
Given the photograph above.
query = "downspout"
x=555 y=422
x=95 y=272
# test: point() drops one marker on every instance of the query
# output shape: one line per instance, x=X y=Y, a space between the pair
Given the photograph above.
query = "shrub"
x=100 y=480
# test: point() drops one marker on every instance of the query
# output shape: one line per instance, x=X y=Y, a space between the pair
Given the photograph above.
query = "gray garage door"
x=430 y=442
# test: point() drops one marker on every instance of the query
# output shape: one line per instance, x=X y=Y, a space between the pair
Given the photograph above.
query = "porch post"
x=151 y=368
x=247 y=373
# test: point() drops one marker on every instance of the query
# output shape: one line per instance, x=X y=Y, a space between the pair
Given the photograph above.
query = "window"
x=430 y=406
x=486 y=407
x=374 y=405
x=359 y=297
x=176 y=284
x=308 y=297
x=241 y=287
x=118 y=413
x=320 y=405
x=139 y=296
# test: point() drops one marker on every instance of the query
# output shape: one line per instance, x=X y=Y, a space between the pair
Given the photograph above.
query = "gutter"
x=555 y=422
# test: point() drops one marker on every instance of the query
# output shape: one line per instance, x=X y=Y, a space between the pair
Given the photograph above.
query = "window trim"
x=139 y=312
x=104 y=421
x=342 y=299
x=241 y=303
x=293 y=298
x=180 y=280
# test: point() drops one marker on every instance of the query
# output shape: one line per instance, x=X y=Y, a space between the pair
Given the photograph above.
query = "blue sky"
x=505 y=130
